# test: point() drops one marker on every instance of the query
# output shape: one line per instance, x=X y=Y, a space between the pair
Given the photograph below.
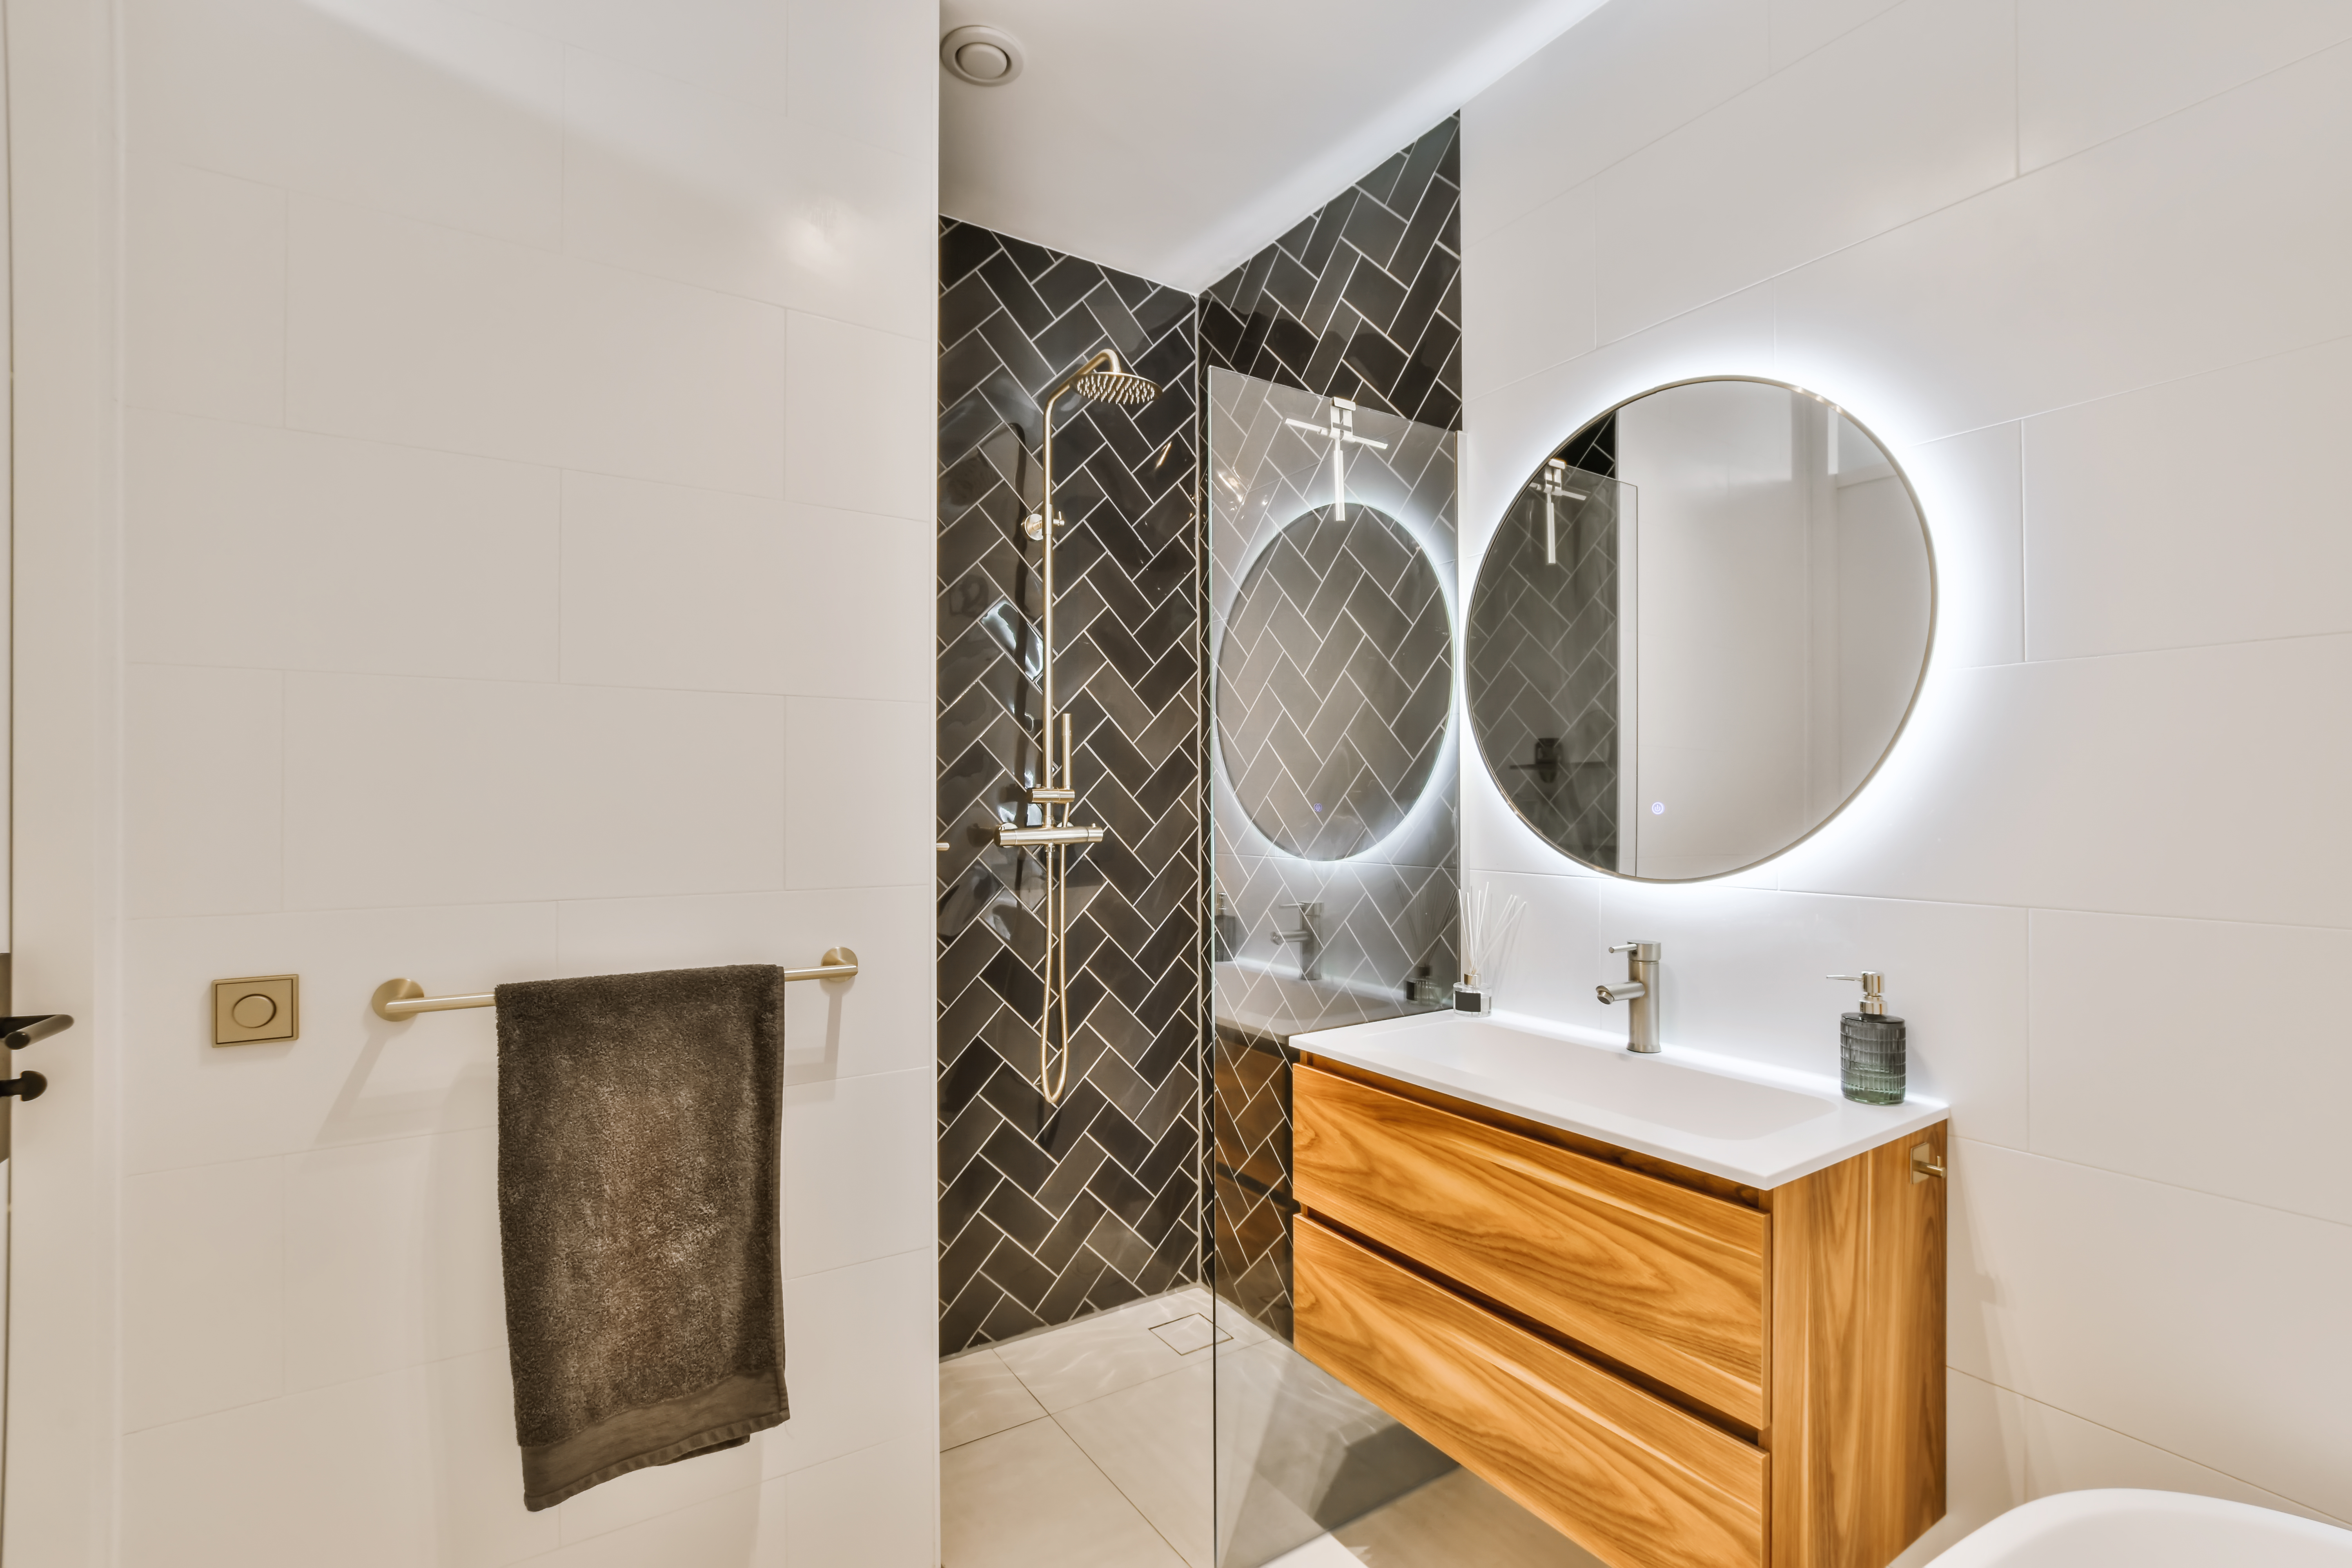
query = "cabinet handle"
x=1923 y=1163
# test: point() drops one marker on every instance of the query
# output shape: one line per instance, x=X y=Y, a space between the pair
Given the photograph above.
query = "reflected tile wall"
x=1048 y=1213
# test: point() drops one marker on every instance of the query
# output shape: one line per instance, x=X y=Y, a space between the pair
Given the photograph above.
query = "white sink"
x=1754 y=1124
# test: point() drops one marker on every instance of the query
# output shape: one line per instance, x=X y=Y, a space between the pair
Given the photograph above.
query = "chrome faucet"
x=1309 y=938
x=1640 y=989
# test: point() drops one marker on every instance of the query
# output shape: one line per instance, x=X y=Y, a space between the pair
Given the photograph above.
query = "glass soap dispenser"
x=1870 y=1046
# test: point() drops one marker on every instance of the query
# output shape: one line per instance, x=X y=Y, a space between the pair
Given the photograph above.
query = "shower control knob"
x=1034 y=525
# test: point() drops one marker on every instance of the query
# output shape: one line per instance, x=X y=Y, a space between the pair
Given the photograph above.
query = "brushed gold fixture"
x=258 y=1008
x=1924 y=1163
x=1101 y=379
x=402 y=999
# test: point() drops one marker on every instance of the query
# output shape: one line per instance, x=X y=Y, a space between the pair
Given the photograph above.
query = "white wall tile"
x=285 y=549
x=873 y=1508
x=857 y=795
x=352 y=1077
x=880 y=1021
x=204 y=759
x=850 y=430
x=203 y=1290
x=668 y=587
x=2090 y=69
x=744 y=1527
x=665 y=177
x=2062 y=785
x=423 y=336
x=403 y=332
x=861 y=1358
x=1800 y=26
x=2154 y=1056
x=2134 y=1305
x=392 y=1256
x=859 y=1158
x=1971 y=487
x=672 y=383
x=495 y=792
x=1779 y=174
x=1621 y=78
x=413 y=1466
x=2124 y=551
x=2067 y=1453
x=474 y=1467
x=724 y=46
x=409 y=106
x=1528 y=296
x=204 y=259
x=869 y=72
x=2203 y=240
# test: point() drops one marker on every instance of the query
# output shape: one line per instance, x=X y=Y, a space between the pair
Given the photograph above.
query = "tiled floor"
x=1087 y=1446
x=1090 y=1447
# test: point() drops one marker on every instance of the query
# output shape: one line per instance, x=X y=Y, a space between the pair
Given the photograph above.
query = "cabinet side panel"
x=1857 y=1431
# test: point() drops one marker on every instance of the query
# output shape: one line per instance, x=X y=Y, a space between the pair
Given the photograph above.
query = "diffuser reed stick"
x=1490 y=929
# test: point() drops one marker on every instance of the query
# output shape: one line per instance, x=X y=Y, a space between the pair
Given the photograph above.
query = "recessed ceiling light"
x=984 y=56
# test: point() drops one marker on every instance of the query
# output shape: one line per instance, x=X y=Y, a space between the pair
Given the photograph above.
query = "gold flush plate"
x=257 y=1008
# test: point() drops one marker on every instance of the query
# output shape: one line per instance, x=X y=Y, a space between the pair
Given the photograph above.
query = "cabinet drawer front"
x=1636 y=1481
x=1660 y=1278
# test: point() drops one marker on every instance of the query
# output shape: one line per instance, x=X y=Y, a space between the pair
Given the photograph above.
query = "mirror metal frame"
x=1926 y=656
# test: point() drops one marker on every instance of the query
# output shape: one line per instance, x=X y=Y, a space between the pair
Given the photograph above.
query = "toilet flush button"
x=257 y=1008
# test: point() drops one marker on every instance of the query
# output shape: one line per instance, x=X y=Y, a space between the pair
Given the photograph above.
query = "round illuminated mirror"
x=1698 y=628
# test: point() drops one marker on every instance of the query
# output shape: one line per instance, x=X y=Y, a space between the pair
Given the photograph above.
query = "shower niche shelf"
x=1672 y=1367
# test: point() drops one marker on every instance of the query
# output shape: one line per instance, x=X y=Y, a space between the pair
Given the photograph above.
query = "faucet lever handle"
x=1625 y=947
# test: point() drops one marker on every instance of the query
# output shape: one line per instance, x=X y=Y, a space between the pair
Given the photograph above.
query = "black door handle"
x=18 y=1033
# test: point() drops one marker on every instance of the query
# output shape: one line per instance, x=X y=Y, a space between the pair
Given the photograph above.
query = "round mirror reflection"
x=1698 y=628
x=1334 y=682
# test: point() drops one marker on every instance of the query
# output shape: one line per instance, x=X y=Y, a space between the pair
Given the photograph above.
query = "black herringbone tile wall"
x=1047 y=1213
x=1362 y=299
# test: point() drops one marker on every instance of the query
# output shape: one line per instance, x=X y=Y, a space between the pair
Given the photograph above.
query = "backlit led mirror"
x=1698 y=628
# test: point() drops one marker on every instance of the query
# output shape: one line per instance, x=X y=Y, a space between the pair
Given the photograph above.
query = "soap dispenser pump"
x=1871 y=1046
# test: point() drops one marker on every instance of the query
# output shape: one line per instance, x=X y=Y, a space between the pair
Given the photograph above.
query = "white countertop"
x=1753 y=1122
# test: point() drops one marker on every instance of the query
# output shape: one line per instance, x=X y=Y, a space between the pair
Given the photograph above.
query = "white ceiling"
x=1174 y=140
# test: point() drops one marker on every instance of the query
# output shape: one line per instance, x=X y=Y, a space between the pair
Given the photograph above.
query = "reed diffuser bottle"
x=1871 y=1046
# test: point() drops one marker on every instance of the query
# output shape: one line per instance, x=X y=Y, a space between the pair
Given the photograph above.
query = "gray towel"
x=638 y=1186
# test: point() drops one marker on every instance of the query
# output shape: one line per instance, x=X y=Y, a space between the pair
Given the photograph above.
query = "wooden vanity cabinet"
x=1673 y=1370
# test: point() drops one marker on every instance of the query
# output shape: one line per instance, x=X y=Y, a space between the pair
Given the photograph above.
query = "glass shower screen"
x=1337 y=746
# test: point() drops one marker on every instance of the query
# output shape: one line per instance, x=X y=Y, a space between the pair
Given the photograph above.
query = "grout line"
x=2345 y=1226
x=2142 y=1442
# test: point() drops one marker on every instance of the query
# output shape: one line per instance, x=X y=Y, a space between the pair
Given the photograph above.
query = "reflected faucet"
x=1640 y=988
x=1309 y=938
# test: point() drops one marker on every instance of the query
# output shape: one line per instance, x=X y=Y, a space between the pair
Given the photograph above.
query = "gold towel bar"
x=399 y=999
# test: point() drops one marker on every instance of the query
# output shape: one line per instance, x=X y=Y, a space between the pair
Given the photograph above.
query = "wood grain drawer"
x=1668 y=1281
x=1635 y=1480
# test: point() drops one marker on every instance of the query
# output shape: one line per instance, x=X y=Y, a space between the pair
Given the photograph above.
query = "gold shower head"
x=1117 y=384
